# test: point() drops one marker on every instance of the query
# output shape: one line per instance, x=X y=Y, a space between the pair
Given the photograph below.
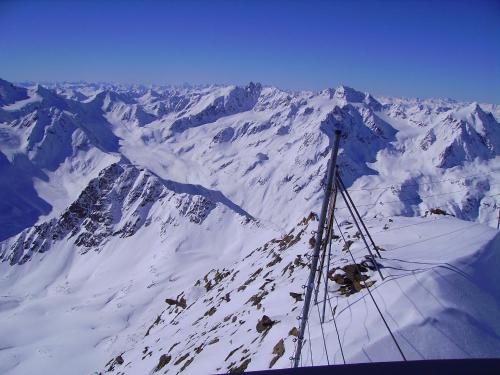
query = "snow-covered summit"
x=349 y=94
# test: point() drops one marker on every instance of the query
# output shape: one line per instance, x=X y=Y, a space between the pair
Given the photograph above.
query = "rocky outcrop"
x=116 y=203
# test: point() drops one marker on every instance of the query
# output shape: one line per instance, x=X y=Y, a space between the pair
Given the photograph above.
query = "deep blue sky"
x=398 y=48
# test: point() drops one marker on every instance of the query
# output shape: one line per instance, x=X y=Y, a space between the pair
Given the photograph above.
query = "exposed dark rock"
x=438 y=211
x=264 y=324
x=312 y=242
x=298 y=261
x=353 y=280
x=294 y=332
x=257 y=298
x=296 y=296
x=275 y=261
x=163 y=361
x=347 y=245
x=118 y=361
x=156 y=322
x=278 y=350
x=173 y=346
x=288 y=240
x=186 y=364
x=232 y=352
x=182 y=358
x=241 y=368
x=198 y=349
x=180 y=302
x=311 y=217
x=211 y=311
x=213 y=341
x=251 y=279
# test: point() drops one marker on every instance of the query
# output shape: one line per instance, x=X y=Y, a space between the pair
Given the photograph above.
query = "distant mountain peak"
x=10 y=94
x=349 y=94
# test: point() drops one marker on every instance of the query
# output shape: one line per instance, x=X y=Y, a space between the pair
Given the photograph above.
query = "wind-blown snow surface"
x=138 y=224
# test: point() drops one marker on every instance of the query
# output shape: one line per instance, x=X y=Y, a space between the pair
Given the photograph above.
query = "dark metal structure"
x=334 y=186
x=428 y=367
x=319 y=237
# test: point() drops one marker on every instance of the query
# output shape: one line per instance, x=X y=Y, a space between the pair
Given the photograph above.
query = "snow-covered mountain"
x=159 y=228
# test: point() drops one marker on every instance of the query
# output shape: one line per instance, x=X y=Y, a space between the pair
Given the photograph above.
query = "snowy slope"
x=183 y=213
x=442 y=302
x=225 y=311
x=275 y=142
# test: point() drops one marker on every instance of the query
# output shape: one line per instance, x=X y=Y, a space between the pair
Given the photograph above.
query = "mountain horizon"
x=159 y=229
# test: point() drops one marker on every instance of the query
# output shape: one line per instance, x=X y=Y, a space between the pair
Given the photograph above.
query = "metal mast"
x=319 y=236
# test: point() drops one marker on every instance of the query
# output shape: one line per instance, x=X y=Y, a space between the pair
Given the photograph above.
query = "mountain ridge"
x=170 y=229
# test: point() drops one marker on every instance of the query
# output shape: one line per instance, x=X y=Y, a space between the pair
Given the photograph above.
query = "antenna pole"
x=498 y=223
x=325 y=294
x=319 y=236
x=329 y=230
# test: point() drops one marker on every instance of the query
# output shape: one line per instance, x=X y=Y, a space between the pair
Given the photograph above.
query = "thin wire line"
x=373 y=299
x=294 y=350
x=336 y=329
x=369 y=220
x=310 y=347
x=437 y=236
x=325 y=277
x=321 y=326
x=323 y=334
x=409 y=225
x=415 y=199
x=467 y=227
x=400 y=184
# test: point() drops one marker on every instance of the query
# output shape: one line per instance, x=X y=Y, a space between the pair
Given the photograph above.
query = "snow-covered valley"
x=168 y=230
